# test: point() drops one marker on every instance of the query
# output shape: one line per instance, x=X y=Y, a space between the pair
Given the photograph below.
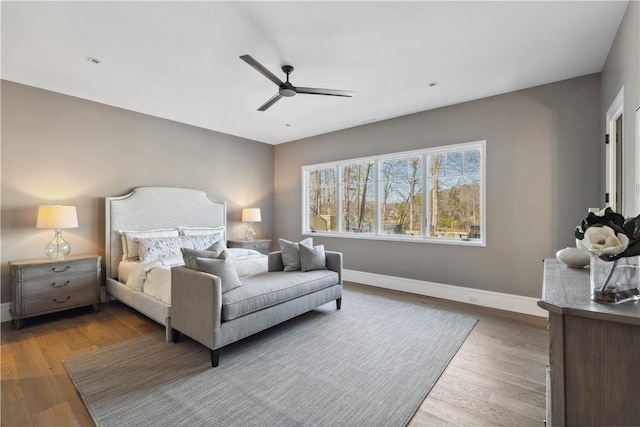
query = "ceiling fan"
x=286 y=88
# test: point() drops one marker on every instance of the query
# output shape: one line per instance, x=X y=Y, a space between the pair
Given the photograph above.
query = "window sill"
x=396 y=238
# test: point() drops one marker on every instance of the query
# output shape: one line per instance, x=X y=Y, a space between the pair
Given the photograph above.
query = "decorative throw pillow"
x=129 y=247
x=223 y=268
x=154 y=248
x=291 y=253
x=312 y=258
x=213 y=252
x=202 y=241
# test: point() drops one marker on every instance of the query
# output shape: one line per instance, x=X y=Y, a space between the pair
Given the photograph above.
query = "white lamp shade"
x=251 y=215
x=56 y=216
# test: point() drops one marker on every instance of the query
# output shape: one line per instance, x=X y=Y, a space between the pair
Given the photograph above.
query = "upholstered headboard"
x=147 y=208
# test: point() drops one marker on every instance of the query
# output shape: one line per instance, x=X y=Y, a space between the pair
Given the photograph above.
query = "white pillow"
x=200 y=231
x=129 y=248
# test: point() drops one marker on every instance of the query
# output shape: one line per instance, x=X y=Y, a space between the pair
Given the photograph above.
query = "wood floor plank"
x=524 y=391
x=59 y=415
x=497 y=377
x=526 y=408
x=425 y=419
x=494 y=414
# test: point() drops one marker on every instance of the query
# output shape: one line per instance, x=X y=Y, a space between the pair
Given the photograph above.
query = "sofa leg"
x=175 y=335
x=339 y=303
x=215 y=357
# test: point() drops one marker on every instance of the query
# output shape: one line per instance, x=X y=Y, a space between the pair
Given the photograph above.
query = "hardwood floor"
x=496 y=378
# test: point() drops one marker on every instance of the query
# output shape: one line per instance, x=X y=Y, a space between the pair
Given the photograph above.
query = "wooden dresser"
x=40 y=286
x=593 y=377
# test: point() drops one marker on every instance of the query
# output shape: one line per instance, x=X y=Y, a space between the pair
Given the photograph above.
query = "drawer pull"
x=55 y=285
x=61 y=302
x=55 y=270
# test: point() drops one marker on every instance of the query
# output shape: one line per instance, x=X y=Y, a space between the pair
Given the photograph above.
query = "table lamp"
x=57 y=217
x=251 y=215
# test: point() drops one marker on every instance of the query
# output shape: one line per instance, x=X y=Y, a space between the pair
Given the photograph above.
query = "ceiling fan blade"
x=318 y=91
x=261 y=69
x=270 y=102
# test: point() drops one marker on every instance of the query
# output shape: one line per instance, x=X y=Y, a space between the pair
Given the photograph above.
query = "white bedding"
x=154 y=277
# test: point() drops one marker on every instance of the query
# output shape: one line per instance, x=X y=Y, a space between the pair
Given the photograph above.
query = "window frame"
x=376 y=160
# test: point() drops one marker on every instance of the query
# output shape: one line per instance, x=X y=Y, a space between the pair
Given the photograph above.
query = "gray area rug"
x=371 y=363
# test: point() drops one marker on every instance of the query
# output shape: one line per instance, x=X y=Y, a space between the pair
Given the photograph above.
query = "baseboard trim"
x=5 y=313
x=497 y=300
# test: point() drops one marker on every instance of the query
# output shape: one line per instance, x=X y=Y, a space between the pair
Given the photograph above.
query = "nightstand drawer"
x=59 y=301
x=56 y=268
x=58 y=283
x=263 y=246
x=257 y=246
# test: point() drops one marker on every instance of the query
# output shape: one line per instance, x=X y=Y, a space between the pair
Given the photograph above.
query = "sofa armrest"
x=274 y=261
x=334 y=263
x=196 y=304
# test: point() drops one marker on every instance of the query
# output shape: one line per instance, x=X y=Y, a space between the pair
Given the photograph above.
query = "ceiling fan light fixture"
x=287 y=91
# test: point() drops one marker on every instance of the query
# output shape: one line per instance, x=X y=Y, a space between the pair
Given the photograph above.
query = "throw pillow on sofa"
x=291 y=253
x=312 y=258
x=223 y=268
x=212 y=252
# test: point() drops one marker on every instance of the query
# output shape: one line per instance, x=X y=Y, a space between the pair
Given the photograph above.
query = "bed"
x=155 y=208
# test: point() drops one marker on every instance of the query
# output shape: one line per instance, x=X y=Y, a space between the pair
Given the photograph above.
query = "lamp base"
x=251 y=233
x=58 y=248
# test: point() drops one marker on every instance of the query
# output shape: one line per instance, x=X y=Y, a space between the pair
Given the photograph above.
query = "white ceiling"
x=180 y=60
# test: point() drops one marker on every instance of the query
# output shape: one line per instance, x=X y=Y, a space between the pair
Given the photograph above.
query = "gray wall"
x=61 y=149
x=543 y=172
x=622 y=68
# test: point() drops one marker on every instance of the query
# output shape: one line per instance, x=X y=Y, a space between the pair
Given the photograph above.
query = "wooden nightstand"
x=40 y=286
x=262 y=246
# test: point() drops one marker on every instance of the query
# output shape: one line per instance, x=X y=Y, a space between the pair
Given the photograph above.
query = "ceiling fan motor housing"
x=287 y=89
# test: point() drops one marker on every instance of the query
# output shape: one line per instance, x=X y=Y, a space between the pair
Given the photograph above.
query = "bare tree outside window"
x=401 y=188
x=322 y=200
x=358 y=205
x=454 y=194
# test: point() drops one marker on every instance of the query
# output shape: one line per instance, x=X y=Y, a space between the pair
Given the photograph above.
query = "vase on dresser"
x=615 y=281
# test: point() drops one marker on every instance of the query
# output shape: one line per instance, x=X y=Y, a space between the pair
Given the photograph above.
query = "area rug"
x=371 y=363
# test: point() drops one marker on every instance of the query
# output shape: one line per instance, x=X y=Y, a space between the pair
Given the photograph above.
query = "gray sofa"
x=201 y=311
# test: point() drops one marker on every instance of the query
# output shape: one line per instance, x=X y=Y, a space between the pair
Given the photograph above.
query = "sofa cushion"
x=269 y=289
x=291 y=253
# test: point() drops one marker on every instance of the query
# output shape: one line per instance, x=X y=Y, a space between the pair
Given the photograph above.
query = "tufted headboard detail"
x=147 y=208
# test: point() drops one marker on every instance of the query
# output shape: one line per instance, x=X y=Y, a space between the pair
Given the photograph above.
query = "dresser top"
x=37 y=261
x=567 y=290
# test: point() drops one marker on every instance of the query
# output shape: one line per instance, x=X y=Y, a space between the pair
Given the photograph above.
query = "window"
x=434 y=195
x=401 y=196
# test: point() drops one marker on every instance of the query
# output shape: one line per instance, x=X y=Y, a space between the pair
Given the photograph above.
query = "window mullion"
x=339 y=195
x=425 y=199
